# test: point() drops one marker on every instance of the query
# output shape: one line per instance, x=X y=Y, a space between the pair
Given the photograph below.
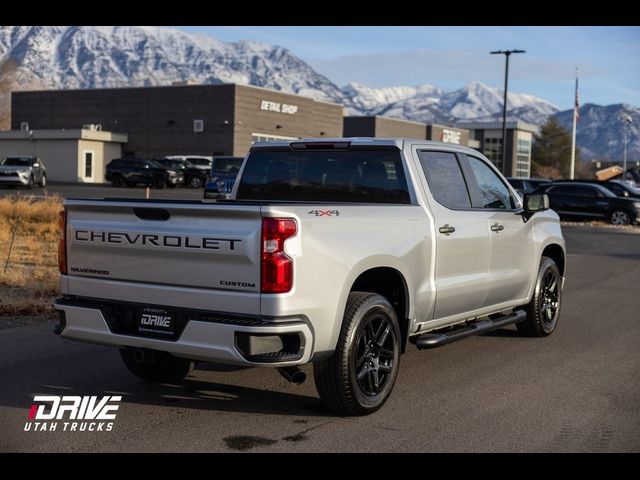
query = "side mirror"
x=535 y=202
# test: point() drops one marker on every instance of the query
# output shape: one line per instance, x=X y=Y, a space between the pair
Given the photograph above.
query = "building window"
x=88 y=164
x=267 y=137
x=523 y=158
x=493 y=151
x=198 y=126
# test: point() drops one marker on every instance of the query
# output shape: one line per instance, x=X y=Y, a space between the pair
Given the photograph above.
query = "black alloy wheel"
x=374 y=354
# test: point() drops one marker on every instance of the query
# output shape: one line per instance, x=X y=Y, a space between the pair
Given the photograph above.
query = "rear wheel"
x=359 y=377
x=117 y=181
x=154 y=366
x=158 y=182
x=544 y=309
x=620 y=217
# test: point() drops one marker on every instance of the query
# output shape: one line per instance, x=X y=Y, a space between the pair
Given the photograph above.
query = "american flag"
x=576 y=107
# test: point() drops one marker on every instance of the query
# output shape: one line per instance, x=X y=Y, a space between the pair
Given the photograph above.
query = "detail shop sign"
x=278 y=107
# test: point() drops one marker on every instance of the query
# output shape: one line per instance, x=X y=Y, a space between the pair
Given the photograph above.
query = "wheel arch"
x=557 y=254
x=384 y=279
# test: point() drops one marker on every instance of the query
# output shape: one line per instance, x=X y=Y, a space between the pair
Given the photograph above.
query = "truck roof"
x=362 y=141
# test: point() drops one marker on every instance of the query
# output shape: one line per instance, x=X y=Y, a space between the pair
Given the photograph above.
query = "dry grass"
x=30 y=282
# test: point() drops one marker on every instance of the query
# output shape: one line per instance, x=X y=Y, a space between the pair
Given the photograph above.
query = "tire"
x=543 y=311
x=346 y=381
x=131 y=184
x=164 y=368
x=619 y=217
x=117 y=181
x=195 y=182
x=43 y=181
x=29 y=185
x=158 y=182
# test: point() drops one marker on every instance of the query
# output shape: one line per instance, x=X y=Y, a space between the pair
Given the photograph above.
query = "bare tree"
x=8 y=77
x=12 y=79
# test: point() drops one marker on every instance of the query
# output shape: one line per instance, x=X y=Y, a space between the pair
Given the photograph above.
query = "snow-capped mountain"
x=97 y=57
x=370 y=99
x=427 y=103
x=600 y=131
x=94 y=57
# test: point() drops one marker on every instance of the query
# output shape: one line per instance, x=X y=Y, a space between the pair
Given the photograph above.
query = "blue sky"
x=451 y=57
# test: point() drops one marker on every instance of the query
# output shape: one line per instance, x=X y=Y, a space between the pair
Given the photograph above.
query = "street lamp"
x=507 y=54
x=626 y=118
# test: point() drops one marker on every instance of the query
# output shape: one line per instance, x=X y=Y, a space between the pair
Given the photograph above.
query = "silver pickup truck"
x=338 y=252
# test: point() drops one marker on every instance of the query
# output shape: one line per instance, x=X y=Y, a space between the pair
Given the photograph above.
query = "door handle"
x=447 y=229
x=496 y=227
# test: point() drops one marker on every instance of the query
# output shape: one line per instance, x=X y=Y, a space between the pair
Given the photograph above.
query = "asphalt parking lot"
x=576 y=391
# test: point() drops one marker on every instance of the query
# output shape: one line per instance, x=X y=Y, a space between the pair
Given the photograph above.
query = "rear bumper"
x=210 y=341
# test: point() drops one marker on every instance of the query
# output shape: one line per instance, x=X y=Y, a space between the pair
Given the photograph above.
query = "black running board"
x=437 y=339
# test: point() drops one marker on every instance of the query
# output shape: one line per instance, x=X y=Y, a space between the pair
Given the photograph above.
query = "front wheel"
x=30 y=183
x=620 y=217
x=43 y=181
x=543 y=310
x=158 y=367
x=195 y=182
x=359 y=377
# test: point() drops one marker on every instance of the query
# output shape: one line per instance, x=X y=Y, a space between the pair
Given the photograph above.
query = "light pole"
x=626 y=118
x=507 y=54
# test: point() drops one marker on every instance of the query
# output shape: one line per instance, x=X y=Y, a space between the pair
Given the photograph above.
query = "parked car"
x=23 y=170
x=619 y=188
x=202 y=162
x=224 y=171
x=527 y=185
x=338 y=252
x=133 y=171
x=192 y=176
x=572 y=199
x=629 y=184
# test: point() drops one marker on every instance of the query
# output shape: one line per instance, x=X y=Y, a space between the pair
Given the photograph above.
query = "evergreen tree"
x=551 y=151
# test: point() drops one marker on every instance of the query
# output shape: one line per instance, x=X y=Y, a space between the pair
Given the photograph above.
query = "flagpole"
x=573 y=132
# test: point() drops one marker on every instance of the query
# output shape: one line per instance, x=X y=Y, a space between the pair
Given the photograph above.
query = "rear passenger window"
x=445 y=179
x=494 y=194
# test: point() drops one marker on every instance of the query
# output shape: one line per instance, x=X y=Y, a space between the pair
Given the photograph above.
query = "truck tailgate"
x=176 y=244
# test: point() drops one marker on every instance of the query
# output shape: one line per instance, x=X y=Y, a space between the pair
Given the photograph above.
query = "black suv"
x=191 y=175
x=527 y=185
x=132 y=171
x=620 y=189
x=591 y=200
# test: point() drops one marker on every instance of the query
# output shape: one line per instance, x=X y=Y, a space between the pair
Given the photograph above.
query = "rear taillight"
x=62 y=243
x=277 y=267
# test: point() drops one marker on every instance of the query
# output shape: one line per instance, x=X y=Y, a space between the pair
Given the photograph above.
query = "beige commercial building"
x=69 y=155
x=519 y=143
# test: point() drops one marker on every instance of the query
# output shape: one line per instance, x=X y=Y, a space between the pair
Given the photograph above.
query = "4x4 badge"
x=325 y=213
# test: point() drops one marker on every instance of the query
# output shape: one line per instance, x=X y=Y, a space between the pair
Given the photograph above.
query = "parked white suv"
x=339 y=252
